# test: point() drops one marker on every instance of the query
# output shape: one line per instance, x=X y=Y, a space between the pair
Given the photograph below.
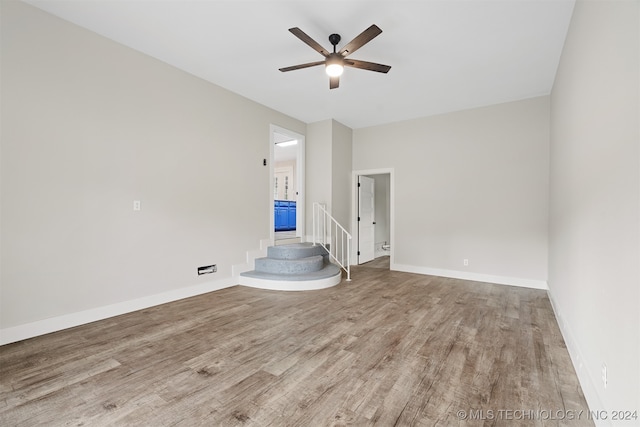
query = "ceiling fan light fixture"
x=334 y=65
x=334 y=70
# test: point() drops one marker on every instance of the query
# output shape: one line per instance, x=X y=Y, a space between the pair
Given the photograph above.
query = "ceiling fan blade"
x=301 y=66
x=371 y=66
x=365 y=37
x=308 y=40
x=334 y=82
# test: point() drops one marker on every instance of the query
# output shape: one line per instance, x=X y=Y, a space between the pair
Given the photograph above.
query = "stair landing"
x=293 y=267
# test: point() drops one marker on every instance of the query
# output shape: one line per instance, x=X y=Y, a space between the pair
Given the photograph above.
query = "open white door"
x=366 y=219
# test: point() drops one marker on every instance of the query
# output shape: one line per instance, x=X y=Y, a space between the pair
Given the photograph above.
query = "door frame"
x=354 y=209
x=300 y=159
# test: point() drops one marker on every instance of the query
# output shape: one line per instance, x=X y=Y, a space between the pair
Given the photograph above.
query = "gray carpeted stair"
x=294 y=262
x=296 y=251
x=290 y=265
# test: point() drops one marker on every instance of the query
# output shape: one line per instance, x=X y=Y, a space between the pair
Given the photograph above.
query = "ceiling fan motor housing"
x=334 y=39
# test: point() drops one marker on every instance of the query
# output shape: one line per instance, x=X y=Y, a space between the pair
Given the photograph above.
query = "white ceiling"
x=446 y=55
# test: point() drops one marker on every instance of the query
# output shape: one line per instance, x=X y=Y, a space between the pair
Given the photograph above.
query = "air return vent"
x=207 y=269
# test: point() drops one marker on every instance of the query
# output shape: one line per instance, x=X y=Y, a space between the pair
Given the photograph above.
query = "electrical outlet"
x=136 y=205
x=604 y=375
x=465 y=262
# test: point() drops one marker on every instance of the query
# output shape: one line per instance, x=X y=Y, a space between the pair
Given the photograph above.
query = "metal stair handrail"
x=327 y=230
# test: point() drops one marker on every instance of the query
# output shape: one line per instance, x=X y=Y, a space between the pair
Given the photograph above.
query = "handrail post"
x=313 y=224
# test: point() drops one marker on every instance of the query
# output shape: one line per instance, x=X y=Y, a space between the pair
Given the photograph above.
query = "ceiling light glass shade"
x=334 y=70
x=334 y=66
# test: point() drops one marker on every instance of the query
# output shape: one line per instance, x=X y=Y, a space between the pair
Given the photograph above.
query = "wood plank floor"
x=387 y=349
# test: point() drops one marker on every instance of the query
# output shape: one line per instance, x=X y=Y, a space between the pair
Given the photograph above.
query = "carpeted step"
x=327 y=272
x=294 y=267
x=289 y=266
x=296 y=251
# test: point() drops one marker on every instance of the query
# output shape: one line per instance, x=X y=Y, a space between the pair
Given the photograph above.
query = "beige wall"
x=89 y=126
x=328 y=169
x=341 y=152
x=468 y=185
x=317 y=168
x=594 y=257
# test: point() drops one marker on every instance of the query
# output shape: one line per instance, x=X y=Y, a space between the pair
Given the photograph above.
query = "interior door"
x=366 y=219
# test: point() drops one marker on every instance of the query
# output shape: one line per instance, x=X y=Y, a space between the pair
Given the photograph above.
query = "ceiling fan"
x=336 y=61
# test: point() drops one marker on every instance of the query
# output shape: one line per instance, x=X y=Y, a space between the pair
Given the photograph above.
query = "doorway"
x=366 y=219
x=287 y=218
x=373 y=220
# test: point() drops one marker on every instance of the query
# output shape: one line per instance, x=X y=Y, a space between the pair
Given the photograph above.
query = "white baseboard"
x=54 y=324
x=476 y=277
x=587 y=383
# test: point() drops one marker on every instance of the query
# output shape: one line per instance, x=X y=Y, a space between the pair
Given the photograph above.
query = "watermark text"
x=545 y=415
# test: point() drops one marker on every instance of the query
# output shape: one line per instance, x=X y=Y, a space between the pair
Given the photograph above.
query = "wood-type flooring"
x=387 y=349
